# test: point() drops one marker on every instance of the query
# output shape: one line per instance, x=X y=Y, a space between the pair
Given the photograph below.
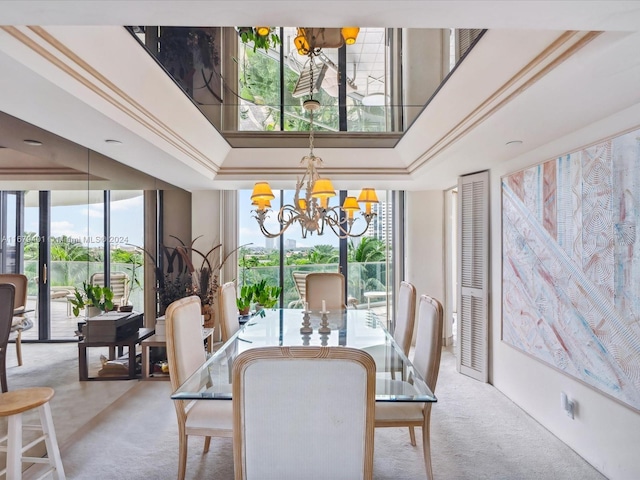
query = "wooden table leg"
x=83 y=369
x=145 y=361
x=132 y=359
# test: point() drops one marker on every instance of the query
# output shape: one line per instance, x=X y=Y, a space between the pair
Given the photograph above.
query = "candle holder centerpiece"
x=306 y=320
x=324 y=322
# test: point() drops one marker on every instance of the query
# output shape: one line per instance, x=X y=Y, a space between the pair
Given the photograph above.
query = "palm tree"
x=324 y=254
x=368 y=250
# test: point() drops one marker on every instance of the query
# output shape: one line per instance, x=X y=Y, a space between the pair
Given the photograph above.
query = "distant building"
x=378 y=228
x=269 y=243
x=289 y=244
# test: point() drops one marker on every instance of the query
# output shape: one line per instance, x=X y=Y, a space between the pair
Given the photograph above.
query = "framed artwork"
x=571 y=265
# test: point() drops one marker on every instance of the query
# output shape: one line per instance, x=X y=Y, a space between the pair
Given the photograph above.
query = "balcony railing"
x=361 y=278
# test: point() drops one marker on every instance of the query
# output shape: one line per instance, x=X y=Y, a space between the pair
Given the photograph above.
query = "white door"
x=473 y=268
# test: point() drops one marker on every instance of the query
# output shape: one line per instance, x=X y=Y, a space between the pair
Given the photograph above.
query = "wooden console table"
x=130 y=343
x=161 y=341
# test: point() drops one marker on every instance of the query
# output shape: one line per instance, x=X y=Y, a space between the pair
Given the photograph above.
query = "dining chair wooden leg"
x=3 y=371
x=182 y=455
x=426 y=441
x=207 y=443
x=412 y=436
x=19 y=347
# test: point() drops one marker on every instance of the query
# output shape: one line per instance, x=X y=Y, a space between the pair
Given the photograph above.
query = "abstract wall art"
x=571 y=265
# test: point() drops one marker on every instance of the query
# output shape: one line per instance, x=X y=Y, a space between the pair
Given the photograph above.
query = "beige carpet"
x=477 y=433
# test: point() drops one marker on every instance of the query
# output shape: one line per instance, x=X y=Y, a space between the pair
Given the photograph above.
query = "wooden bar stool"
x=12 y=405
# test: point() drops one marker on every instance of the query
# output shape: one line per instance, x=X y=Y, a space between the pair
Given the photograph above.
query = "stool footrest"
x=46 y=473
x=36 y=460
x=34 y=442
x=32 y=427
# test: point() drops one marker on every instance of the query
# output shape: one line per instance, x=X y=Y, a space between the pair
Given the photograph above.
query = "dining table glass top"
x=396 y=378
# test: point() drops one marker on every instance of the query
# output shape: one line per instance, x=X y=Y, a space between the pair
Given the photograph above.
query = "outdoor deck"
x=63 y=326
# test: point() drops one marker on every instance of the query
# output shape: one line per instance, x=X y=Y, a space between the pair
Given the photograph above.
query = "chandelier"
x=309 y=41
x=310 y=208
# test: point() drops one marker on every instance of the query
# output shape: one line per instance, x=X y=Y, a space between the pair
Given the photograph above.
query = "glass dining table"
x=396 y=378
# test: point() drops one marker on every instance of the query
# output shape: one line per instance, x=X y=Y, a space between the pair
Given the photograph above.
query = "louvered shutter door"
x=464 y=38
x=473 y=264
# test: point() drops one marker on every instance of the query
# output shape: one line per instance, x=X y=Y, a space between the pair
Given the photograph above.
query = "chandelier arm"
x=337 y=226
x=261 y=215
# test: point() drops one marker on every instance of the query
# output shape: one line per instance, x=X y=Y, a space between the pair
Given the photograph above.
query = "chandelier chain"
x=311 y=209
x=311 y=111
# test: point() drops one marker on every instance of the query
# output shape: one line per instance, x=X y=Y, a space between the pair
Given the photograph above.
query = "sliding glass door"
x=60 y=239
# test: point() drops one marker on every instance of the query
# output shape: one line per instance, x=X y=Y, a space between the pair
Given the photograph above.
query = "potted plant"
x=243 y=302
x=265 y=296
x=266 y=41
x=94 y=297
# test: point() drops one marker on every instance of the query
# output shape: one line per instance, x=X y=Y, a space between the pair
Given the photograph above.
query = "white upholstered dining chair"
x=325 y=286
x=303 y=413
x=426 y=361
x=229 y=310
x=20 y=322
x=185 y=353
x=7 y=294
x=405 y=316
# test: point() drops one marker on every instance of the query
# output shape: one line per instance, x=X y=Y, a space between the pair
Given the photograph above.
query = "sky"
x=84 y=223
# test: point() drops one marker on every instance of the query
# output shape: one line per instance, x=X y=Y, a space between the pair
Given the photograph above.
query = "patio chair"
x=299 y=281
x=119 y=283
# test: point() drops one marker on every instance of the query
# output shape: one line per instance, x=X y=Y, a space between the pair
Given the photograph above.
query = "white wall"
x=604 y=432
x=205 y=218
x=424 y=242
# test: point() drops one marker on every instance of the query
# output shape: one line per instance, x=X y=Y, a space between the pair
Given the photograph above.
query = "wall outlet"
x=567 y=405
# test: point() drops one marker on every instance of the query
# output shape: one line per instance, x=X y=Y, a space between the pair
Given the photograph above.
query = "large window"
x=368 y=258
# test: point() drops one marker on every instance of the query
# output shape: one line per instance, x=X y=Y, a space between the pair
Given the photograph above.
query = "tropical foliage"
x=259 y=78
x=368 y=250
x=366 y=261
x=73 y=262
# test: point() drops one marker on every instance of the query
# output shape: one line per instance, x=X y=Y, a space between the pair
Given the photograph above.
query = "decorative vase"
x=160 y=326
x=209 y=314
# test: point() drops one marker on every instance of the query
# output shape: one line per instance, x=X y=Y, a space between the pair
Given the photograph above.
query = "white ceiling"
x=527 y=79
